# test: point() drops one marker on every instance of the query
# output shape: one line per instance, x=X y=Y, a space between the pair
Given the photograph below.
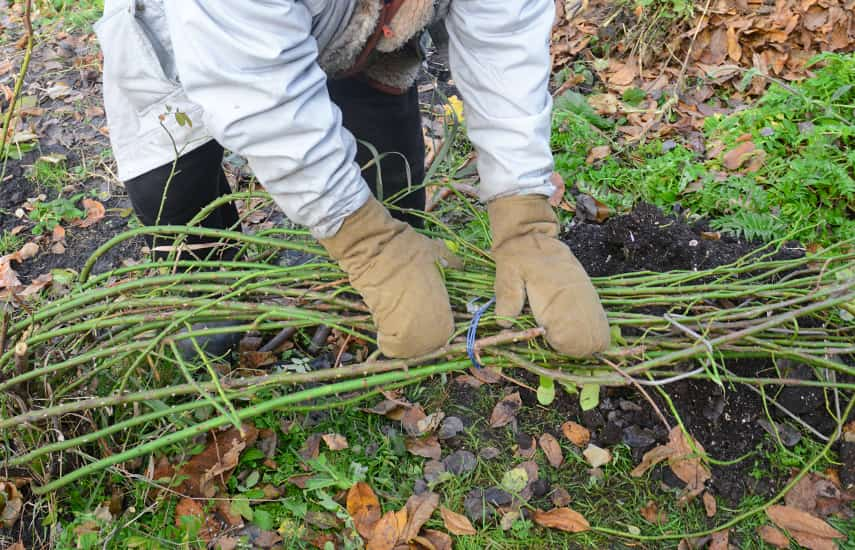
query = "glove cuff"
x=520 y=215
x=363 y=235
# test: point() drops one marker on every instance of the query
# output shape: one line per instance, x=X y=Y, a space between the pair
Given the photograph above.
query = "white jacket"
x=246 y=74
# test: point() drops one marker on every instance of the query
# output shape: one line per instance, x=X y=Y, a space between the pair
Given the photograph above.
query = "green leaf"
x=263 y=520
x=240 y=505
x=634 y=96
x=252 y=479
x=589 y=398
x=515 y=480
x=182 y=119
x=546 y=391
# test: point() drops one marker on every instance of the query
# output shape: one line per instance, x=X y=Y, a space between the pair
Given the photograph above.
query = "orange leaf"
x=336 y=442
x=564 y=519
x=364 y=507
x=576 y=433
x=384 y=536
x=456 y=524
x=419 y=509
x=737 y=156
x=793 y=519
x=427 y=447
x=94 y=213
x=774 y=536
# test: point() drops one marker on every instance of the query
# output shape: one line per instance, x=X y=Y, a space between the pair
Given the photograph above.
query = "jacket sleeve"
x=499 y=54
x=254 y=71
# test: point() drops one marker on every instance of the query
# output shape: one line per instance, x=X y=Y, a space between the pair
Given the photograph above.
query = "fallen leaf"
x=364 y=507
x=390 y=408
x=12 y=502
x=720 y=540
x=710 y=504
x=384 y=536
x=427 y=447
x=95 y=212
x=37 y=285
x=322 y=520
x=456 y=524
x=506 y=410
x=774 y=536
x=686 y=464
x=410 y=420
x=28 y=251
x=651 y=513
x=652 y=458
x=335 y=442
x=737 y=156
x=579 y=435
x=267 y=539
x=58 y=234
x=437 y=539
x=793 y=519
x=207 y=471
x=596 y=456
x=311 y=448
x=187 y=507
x=468 y=380
x=256 y=359
x=486 y=375
x=564 y=519
x=598 y=153
x=560 y=497
x=552 y=450
x=419 y=510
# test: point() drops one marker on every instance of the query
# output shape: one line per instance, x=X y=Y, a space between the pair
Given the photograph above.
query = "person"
x=292 y=84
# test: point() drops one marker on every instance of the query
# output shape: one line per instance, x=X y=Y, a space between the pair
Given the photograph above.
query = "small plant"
x=10 y=243
x=47 y=215
x=50 y=171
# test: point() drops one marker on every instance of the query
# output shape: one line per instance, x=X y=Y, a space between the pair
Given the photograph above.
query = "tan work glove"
x=530 y=259
x=396 y=271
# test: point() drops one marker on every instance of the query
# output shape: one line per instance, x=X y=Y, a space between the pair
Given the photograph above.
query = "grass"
x=804 y=187
x=74 y=15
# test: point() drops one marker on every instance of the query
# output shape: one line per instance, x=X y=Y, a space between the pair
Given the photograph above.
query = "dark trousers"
x=390 y=123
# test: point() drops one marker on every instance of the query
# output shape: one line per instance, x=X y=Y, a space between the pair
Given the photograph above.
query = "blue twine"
x=473 y=329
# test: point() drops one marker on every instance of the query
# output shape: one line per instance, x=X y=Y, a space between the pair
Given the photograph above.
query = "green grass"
x=10 y=243
x=805 y=187
x=75 y=15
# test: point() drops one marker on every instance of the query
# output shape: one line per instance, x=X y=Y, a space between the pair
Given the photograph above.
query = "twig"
x=277 y=341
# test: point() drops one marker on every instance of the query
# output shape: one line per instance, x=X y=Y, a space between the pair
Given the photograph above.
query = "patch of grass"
x=805 y=185
x=10 y=243
x=74 y=14
x=50 y=172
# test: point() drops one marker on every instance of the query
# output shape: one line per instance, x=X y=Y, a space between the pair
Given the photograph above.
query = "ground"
x=738 y=161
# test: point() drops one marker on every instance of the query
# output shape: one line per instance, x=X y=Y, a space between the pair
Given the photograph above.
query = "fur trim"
x=397 y=69
x=342 y=52
x=411 y=19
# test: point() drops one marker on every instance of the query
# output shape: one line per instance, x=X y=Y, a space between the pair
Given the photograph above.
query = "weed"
x=75 y=14
x=10 y=243
x=49 y=214
x=50 y=172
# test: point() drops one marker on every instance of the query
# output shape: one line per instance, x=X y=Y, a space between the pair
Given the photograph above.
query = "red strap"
x=388 y=12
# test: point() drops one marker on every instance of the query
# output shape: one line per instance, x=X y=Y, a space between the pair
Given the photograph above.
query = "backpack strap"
x=390 y=9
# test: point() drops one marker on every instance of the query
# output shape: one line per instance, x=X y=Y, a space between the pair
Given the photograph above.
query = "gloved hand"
x=530 y=259
x=395 y=270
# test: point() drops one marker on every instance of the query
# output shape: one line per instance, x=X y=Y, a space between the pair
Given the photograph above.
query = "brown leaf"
x=364 y=507
x=384 y=536
x=579 y=435
x=335 y=442
x=58 y=234
x=37 y=285
x=419 y=509
x=412 y=417
x=311 y=448
x=710 y=504
x=192 y=508
x=267 y=539
x=651 y=458
x=734 y=50
x=598 y=153
x=737 y=156
x=456 y=524
x=622 y=74
x=389 y=408
x=560 y=497
x=28 y=251
x=427 y=447
x=651 y=513
x=468 y=380
x=486 y=375
x=95 y=212
x=552 y=450
x=438 y=539
x=720 y=540
x=685 y=463
x=793 y=519
x=256 y=359
x=564 y=519
x=774 y=536
x=506 y=410
x=207 y=471
x=12 y=504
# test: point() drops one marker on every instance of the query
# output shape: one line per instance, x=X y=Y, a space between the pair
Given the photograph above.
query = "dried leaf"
x=384 y=536
x=737 y=156
x=12 y=502
x=206 y=472
x=37 y=285
x=652 y=458
x=579 y=435
x=506 y=410
x=734 y=50
x=684 y=462
x=95 y=212
x=256 y=359
x=774 y=536
x=793 y=519
x=419 y=510
x=596 y=456
x=28 y=251
x=410 y=420
x=598 y=153
x=710 y=504
x=651 y=513
x=311 y=448
x=560 y=497
x=720 y=540
x=364 y=507
x=427 y=447
x=438 y=539
x=456 y=524
x=552 y=449
x=335 y=442
x=193 y=508
x=564 y=519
